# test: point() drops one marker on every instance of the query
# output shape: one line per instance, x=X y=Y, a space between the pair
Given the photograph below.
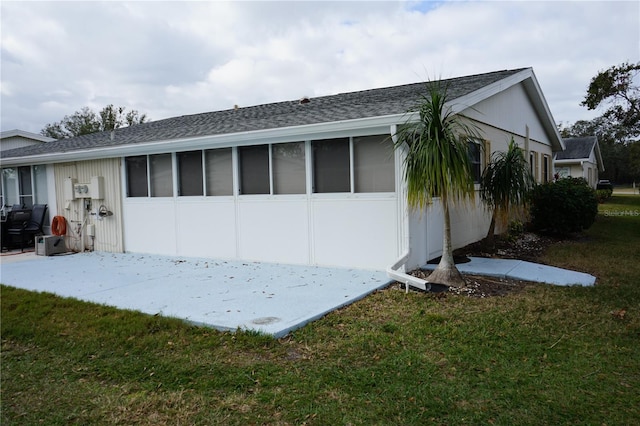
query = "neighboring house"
x=18 y=138
x=581 y=159
x=25 y=185
x=311 y=181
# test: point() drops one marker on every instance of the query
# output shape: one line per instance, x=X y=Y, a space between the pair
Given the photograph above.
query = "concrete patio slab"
x=522 y=270
x=271 y=298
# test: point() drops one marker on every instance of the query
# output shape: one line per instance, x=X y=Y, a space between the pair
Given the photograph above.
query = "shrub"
x=563 y=207
x=603 y=195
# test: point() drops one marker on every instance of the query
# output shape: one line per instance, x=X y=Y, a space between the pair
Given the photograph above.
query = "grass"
x=548 y=355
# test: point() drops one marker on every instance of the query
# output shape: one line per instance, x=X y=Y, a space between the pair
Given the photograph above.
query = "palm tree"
x=437 y=165
x=506 y=181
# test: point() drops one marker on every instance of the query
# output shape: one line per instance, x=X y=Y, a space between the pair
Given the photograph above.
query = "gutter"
x=352 y=127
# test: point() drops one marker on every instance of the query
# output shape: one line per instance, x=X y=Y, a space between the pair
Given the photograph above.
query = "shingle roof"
x=576 y=148
x=325 y=109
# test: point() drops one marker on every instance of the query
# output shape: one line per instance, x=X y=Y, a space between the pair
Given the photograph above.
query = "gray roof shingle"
x=325 y=109
x=576 y=148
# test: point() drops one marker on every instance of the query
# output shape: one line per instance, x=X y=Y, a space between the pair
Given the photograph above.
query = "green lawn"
x=548 y=355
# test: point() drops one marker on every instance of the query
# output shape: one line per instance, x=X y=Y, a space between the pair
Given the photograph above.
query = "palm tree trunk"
x=490 y=240
x=446 y=271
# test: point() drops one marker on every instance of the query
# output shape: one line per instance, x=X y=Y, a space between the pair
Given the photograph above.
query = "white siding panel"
x=274 y=230
x=109 y=229
x=359 y=233
x=206 y=229
x=150 y=226
x=510 y=110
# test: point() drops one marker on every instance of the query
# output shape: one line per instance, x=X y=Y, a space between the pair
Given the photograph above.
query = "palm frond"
x=437 y=162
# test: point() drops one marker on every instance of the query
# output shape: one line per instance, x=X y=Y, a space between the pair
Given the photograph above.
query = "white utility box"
x=48 y=245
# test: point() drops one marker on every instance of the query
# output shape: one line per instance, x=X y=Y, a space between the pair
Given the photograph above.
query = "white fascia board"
x=24 y=134
x=532 y=88
x=599 y=162
x=571 y=161
x=357 y=127
x=469 y=100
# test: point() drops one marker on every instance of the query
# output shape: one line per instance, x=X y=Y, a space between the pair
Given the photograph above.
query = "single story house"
x=581 y=159
x=313 y=181
x=11 y=139
x=23 y=185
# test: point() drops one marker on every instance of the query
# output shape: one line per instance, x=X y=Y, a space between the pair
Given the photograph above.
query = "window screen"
x=373 y=164
x=136 y=176
x=190 y=173
x=254 y=169
x=331 y=170
x=219 y=171
x=475 y=160
x=288 y=168
x=161 y=175
x=10 y=182
x=26 y=196
x=40 y=181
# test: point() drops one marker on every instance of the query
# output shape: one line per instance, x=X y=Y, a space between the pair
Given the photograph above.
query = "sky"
x=173 y=58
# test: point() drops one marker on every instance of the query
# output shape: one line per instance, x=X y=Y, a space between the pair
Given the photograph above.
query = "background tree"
x=618 y=128
x=617 y=87
x=506 y=182
x=87 y=121
x=437 y=164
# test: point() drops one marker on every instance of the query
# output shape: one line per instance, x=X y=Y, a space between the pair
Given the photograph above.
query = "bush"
x=563 y=207
x=603 y=195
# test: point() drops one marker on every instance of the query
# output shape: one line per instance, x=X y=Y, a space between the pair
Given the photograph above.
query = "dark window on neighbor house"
x=254 y=169
x=219 y=171
x=137 y=185
x=190 y=173
x=476 y=160
x=289 y=176
x=373 y=164
x=161 y=174
x=331 y=165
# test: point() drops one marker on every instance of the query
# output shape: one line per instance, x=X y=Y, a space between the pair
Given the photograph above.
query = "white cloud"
x=173 y=58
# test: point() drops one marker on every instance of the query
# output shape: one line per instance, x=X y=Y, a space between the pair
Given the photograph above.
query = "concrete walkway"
x=521 y=270
x=270 y=298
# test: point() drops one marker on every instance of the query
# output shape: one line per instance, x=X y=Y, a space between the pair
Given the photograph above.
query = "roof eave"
x=341 y=128
x=530 y=83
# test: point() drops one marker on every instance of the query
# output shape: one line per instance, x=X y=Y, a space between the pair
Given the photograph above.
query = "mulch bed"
x=527 y=246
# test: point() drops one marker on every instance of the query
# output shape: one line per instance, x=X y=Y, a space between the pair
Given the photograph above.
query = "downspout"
x=397 y=270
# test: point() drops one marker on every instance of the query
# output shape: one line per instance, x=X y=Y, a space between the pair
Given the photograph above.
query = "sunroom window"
x=331 y=165
x=289 y=176
x=190 y=173
x=254 y=169
x=161 y=173
x=219 y=171
x=373 y=164
x=137 y=184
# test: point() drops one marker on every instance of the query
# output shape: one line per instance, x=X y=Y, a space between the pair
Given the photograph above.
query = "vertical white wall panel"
x=352 y=232
x=150 y=226
x=206 y=228
x=274 y=230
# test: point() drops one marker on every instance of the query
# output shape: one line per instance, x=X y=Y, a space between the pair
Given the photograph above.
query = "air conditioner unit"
x=48 y=245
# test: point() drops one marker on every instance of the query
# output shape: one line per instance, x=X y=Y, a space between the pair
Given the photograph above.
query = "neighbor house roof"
x=24 y=134
x=346 y=109
x=580 y=149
